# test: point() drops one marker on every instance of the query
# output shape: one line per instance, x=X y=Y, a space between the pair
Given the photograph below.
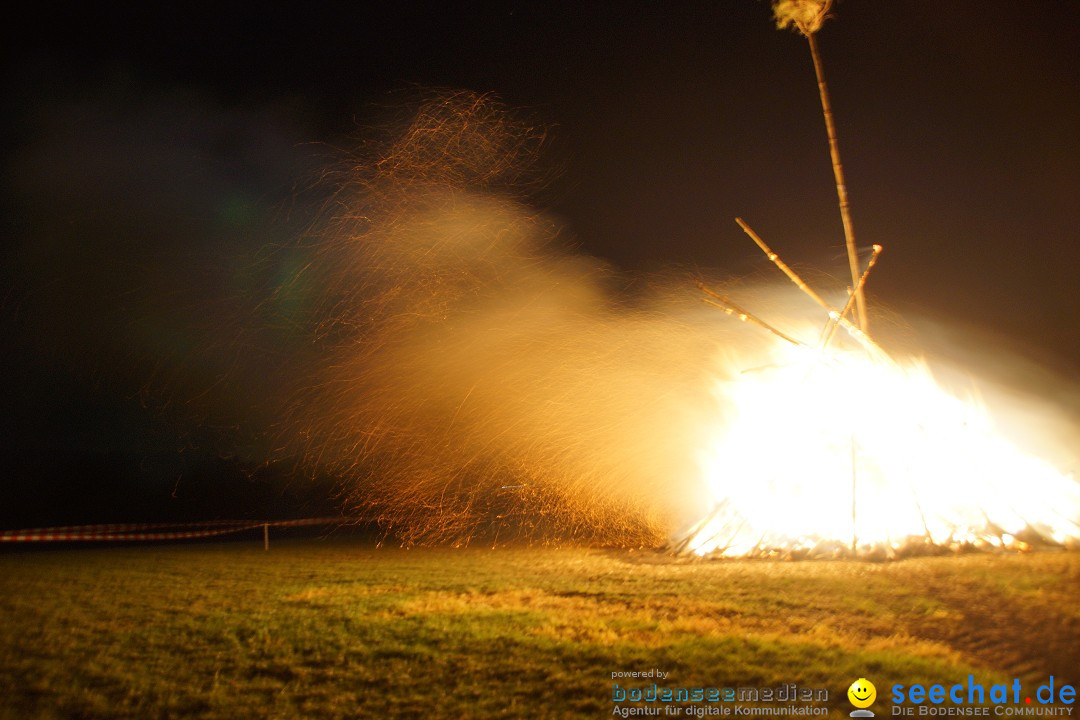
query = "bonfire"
x=837 y=448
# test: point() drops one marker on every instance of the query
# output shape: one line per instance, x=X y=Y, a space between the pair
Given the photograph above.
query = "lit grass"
x=336 y=630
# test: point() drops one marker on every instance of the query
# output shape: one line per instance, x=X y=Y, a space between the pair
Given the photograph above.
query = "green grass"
x=337 y=630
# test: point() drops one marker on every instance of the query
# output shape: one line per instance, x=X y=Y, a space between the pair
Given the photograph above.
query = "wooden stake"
x=731 y=308
x=830 y=327
x=799 y=283
x=862 y=338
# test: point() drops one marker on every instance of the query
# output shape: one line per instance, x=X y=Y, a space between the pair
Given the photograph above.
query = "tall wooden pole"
x=841 y=187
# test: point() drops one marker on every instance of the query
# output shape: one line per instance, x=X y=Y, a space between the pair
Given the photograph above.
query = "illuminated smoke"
x=475 y=378
x=470 y=379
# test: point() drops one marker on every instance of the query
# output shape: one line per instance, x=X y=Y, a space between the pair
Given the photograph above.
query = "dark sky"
x=142 y=141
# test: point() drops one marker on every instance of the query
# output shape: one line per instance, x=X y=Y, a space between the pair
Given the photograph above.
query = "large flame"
x=840 y=452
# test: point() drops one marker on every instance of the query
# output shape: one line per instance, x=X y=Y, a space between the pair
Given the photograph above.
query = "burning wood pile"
x=836 y=448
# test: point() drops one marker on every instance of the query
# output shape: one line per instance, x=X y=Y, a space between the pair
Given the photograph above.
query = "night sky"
x=155 y=157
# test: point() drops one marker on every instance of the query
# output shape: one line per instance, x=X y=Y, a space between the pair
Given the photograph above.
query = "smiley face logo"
x=862 y=693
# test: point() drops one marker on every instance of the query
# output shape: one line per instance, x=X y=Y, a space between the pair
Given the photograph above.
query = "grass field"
x=342 y=630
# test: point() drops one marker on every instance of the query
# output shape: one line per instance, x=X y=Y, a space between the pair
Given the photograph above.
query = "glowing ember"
x=806 y=464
